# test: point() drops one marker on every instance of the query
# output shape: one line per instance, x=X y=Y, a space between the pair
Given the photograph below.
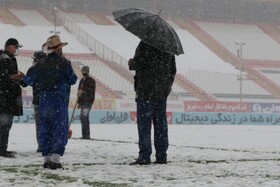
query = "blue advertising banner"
x=96 y=117
x=105 y=117
x=27 y=117
x=111 y=117
x=176 y=118
x=226 y=118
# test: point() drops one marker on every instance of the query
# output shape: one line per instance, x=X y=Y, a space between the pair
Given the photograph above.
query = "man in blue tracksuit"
x=53 y=77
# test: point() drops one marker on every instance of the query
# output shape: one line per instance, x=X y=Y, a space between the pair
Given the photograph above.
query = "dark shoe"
x=12 y=152
x=47 y=165
x=140 y=162
x=55 y=166
x=39 y=150
x=7 y=154
x=160 y=162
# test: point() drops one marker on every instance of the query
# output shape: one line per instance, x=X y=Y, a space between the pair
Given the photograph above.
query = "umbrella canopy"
x=150 y=28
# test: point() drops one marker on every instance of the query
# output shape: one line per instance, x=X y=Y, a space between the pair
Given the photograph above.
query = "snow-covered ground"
x=220 y=155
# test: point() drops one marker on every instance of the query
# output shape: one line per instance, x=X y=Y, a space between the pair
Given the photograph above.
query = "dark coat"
x=10 y=90
x=88 y=85
x=155 y=72
x=35 y=90
x=53 y=75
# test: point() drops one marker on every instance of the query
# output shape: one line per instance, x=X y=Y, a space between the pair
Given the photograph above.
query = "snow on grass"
x=197 y=156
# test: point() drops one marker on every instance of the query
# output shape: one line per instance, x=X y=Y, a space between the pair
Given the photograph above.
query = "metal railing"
x=85 y=38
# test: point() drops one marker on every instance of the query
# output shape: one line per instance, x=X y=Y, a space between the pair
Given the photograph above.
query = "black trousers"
x=6 y=121
x=84 y=118
x=148 y=112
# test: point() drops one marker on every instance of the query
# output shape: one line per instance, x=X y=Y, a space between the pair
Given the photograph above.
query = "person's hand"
x=130 y=61
x=19 y=76
x=80 y=93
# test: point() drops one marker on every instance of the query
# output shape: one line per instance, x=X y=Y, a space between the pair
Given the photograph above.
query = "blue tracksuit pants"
x=53 y=120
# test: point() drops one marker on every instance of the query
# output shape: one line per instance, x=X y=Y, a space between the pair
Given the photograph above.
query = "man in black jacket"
x=10 y=93
x=86 y=96
x=155 y=73
x=38 y=57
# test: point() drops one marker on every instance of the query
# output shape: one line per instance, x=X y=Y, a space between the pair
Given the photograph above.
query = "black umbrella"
x=150 y=28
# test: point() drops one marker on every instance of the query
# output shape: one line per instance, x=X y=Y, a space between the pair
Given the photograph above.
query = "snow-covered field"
x=198 y=156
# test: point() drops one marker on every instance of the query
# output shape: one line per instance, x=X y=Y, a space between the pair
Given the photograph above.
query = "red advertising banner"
x=104 y=104
x=133 y=117
x=175 y=106
x=169 y=117
x=130 y=105
x=215 y=106
x=125 y=105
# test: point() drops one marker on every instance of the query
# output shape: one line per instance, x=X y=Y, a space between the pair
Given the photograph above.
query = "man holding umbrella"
x=154 y=64
x=155 y=72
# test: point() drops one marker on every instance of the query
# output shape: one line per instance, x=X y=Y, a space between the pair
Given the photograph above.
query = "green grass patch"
x=30 y=172
x=26 y=173
x=11 y=180
x=57 y=177
x=10 y=170
x=103 y=184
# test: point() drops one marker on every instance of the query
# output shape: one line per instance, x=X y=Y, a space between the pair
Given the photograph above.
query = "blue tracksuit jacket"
x=53 y=77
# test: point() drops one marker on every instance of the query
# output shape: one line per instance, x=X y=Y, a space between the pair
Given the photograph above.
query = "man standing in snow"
x=10 y=93
x=155 y=73
x=38 y=57
x=86 y=96
x=53 y=78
